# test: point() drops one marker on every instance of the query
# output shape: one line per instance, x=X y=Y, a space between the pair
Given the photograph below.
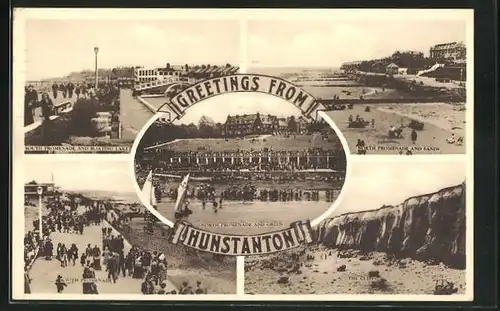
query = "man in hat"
x=112 y=268
x=30 y=103
x=55 y=87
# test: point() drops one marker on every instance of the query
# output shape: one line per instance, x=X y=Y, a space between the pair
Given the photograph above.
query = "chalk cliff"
x=426 y=227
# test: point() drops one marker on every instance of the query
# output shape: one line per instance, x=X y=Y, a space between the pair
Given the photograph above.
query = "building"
x=186 y=73
x=413 y=53
x=392 y=69
x=301 y=124
x=453 y=51
x=282 y=125
x=249 y=124
x=30 y=189
x=147 y=75
x=402 y=71
x=256 y=124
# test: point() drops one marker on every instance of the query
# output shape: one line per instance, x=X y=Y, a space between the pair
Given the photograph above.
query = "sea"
x=248 y=218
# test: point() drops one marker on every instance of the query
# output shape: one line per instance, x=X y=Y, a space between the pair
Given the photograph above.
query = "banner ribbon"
x=297 y=234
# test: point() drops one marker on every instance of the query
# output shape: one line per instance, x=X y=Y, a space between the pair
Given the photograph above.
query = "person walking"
x=60 y=284
x=112 y=267
x=55 y=88
x=63 y=89
x=414 y=136
x=77 y=91
x=30 y=103
x=70 y=86
x=47 y=106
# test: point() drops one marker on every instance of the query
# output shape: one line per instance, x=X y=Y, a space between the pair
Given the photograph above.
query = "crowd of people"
x=71 y=216
x=31 y=248
x=263 y=160
x=107 y=94
x=247 y=192
x=265 y=152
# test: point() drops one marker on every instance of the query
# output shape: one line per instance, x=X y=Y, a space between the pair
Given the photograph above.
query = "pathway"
x=44 y=272
x=133 y=114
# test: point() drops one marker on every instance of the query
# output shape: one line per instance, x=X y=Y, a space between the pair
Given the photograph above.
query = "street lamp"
x=39 y=191
x=96 y=50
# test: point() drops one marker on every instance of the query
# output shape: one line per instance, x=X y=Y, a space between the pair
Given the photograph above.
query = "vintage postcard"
x=258 y=155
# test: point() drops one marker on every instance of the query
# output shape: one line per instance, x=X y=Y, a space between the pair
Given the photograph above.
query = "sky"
x=306 y=43
x=373 y=184
x=96 y=174
x=54 y=48
x=219 y=107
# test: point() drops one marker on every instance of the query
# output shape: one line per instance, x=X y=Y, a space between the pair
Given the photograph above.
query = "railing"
x=157 y=83
x=59 y=109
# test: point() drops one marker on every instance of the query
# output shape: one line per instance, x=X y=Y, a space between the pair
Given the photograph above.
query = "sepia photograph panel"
x=399 y=230
x=391 y=87
x=241 y=163
x=97 y=238
x=85 y=78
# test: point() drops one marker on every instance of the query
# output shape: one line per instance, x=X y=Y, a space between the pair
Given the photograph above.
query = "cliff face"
x=426 y=227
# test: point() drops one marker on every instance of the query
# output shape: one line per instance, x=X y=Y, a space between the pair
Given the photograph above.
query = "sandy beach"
x=446 y=116
x=280 y=274
x=440 y=122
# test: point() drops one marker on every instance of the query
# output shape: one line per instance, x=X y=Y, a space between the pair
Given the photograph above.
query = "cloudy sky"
x=330 y=43
x=89 y=173
x=57 y=47
x=373 y=184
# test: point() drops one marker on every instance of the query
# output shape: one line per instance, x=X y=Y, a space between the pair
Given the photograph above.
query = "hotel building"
x=186 y=73
x=453 y=51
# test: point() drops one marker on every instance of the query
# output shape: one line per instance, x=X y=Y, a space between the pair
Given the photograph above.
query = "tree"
x=395 y=56
x=83 y=111
x=292 y=125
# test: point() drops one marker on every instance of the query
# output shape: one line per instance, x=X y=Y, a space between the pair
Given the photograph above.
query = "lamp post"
x=96 y=50
x=39 y=191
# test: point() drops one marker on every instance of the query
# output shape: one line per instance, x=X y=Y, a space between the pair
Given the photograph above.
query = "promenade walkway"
x=44 y=272
x=133 y=114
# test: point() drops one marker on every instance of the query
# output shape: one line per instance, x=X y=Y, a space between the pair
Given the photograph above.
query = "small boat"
x=148 y=191
x=180 y=209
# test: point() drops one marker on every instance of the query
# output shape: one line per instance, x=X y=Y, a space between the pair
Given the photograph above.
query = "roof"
x=392 y=65
x=234 y=69
x=230 y=70
x=282 y=122
x=34 y=183
x=267 y=119
x=243 y=119
x=250 y=119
